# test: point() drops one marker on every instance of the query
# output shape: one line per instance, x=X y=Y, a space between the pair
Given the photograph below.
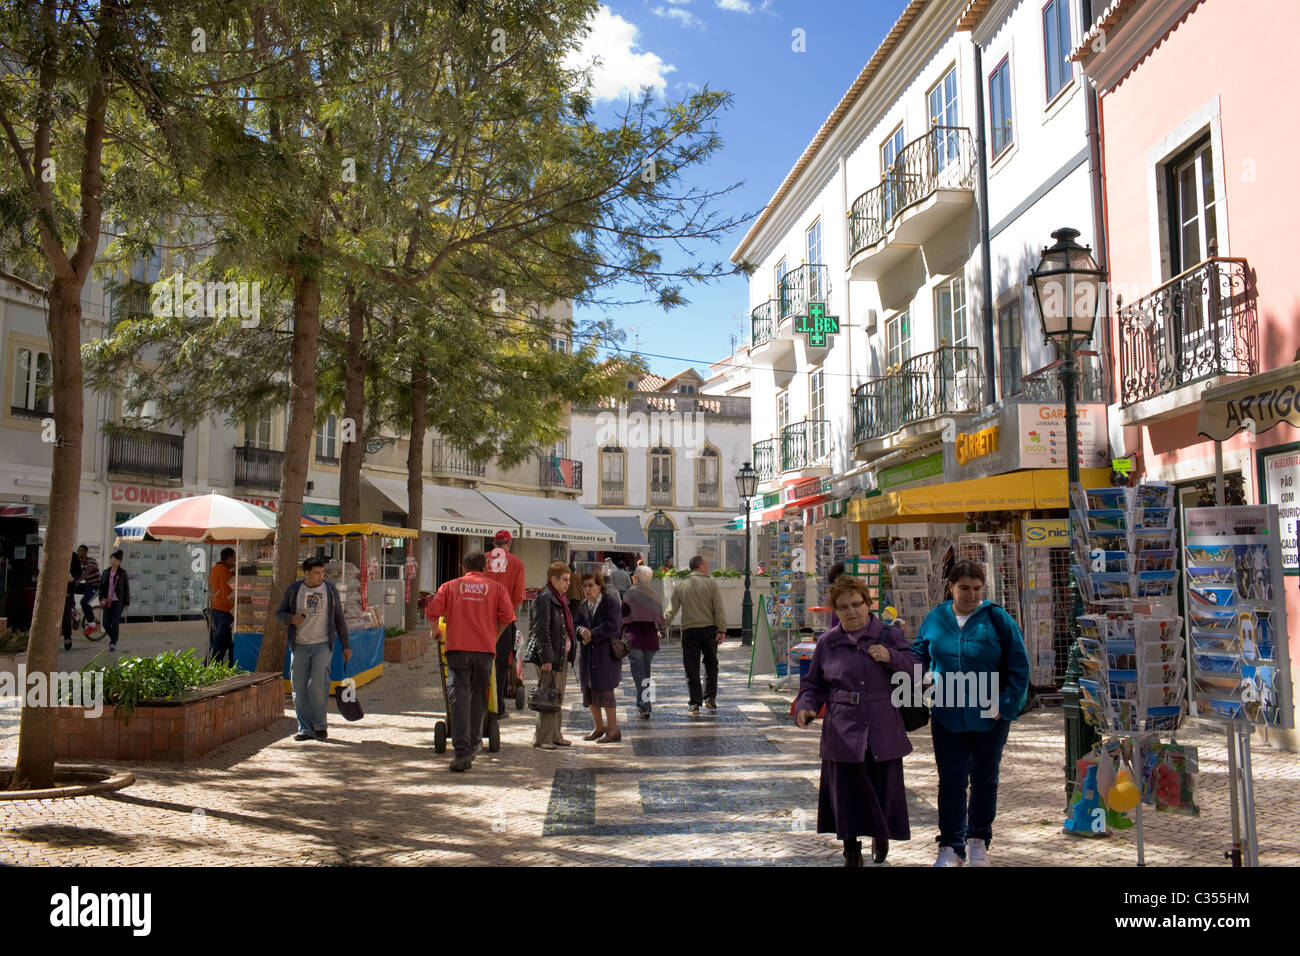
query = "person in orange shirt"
x=221 y=596
x=478 y=611
x=508 y=570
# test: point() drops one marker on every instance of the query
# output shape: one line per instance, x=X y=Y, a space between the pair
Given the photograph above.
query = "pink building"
x=1201 y=205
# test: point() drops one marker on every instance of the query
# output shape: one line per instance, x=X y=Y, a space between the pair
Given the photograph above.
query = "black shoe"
x=693 y=710
x=852 y=852
x=112 y=647
x=879 y=849
x=711 y=704
x=304 y=736
x=461 y=764
x=67 y=644
x=322 y=735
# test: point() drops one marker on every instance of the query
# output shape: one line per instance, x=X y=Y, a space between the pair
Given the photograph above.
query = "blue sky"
x=781 y=98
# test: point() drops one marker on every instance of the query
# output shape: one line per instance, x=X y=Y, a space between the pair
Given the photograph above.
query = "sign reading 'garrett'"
x=982 y=442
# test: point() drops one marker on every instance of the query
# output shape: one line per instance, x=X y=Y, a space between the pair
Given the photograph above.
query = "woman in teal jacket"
x=976 y=653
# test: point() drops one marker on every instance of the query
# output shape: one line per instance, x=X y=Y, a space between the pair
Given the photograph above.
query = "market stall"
x=254 y=602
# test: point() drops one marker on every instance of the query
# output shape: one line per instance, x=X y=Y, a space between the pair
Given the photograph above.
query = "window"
x=817 y=437
x=33 y=380
x=1193 y=210
x=951 y=329
x=559 y=344
x=1000 y=107
x=898 y=339
x=1010 y=369
x=257 y=432
x=814 y=236
x=943 y=113
x=661 y=476
x=779 y=274
x=146 y=268
x=326 y=436
x=148 y=409
x=613 y=475
x=782 y=410
x=891 y=176
x=708 y=490
x=1056 y=45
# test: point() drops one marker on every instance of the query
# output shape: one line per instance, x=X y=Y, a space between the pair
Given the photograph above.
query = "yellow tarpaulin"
x=353 y=530
x=1017 y=491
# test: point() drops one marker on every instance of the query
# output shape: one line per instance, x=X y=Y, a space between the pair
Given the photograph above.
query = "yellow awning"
x=1016 y=491
x=354 y=530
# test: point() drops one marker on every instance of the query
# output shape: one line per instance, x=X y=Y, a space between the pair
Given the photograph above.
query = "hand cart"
x=443 y=729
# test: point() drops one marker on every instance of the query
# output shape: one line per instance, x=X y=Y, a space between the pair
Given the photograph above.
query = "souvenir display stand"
x=254 y=602
x=787 y=604
x=1132 y=652
x=1237 y=635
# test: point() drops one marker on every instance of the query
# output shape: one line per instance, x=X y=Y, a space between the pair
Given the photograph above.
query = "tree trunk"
x=297 y=447
x=415 y=479
x=35 y=766
x=354 y=410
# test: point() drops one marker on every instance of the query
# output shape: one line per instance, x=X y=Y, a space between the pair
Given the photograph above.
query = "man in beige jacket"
x=704 y=627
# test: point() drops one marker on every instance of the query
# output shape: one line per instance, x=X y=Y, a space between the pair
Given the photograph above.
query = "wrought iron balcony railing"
x=147 y=453
x=947 y=381
x=258 y=467
x=1044 y=385
x=765 y=459
x=612 y=492
x=707 y=495
x=805 y=444
x=451 y=460
x=944 y=158
x=557 y=472
x=722 y=406
x=661 y=492
x=808 y=283
x=1196 y=326
x=762 y=322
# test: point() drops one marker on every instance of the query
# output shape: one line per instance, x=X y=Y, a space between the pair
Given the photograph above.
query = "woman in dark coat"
x=114 y=597
x=598 y=621
x=551 y=648
x=863 y=739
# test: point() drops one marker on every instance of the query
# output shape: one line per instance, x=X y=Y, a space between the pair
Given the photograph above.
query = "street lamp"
x=1068 y=290
x=747 y=485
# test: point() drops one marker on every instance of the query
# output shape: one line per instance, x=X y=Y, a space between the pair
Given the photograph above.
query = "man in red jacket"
x=477 y=609
x=508 y=570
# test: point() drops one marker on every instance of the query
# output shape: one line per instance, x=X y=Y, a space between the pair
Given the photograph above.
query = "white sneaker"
x=948 y=857
x=977 y=853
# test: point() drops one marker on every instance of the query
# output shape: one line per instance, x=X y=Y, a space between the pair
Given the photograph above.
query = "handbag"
x=619 y=648
x=346 y=696
x=544 y=699
x=915 y=716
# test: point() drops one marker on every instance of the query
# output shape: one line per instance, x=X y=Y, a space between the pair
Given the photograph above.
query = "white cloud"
x=619 y=70
x=739 y=6
x=684 y=17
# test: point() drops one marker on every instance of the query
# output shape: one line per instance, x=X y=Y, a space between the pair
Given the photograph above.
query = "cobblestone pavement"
x=737 y=787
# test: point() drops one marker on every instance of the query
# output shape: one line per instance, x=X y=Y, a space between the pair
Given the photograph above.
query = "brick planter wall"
x=406 y=647
x=179 y=730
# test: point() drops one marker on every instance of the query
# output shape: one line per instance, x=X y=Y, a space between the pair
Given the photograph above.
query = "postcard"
x=1210 y=575
x=1156 y=583
x=1162 y=695
x=1155 y=494
x=1106 y=499
x=1202 y=554
x=1207 y=663
x=1110 y=587
x=1212 y=596
x=1166 y=672
x=1157 y=560
x=1155 y=519
x=1148 y=540
x=1108 y=519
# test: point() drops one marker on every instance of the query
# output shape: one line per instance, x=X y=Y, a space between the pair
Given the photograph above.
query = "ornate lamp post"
x=747 y=485
x=1068 y=289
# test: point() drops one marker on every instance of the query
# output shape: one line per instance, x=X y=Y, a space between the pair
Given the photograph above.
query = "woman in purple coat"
x=863 y=740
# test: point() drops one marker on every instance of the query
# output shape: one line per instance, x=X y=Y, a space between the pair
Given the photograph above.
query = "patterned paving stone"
x=735 y=745
x=725 y=796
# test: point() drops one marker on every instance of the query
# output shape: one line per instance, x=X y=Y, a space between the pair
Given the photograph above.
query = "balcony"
x=450 y=461
x=762 y=324
x=155 y=454
x=805 y=444
x=808 y=283
x=771 y=340
x=930 y=183
x=948 y=381
x=765 y=459
x=1197 y=326
x=1044 y=385
x=661 y=493
x=556 y=472
x=258 y=467
x=708 y=495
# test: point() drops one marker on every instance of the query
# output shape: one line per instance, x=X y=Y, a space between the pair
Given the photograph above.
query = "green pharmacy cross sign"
x=817 y=324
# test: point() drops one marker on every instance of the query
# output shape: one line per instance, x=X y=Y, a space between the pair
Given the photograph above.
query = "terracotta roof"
x=650 y=382
x=1105 y=20
x=841 y=110
x=970 y=17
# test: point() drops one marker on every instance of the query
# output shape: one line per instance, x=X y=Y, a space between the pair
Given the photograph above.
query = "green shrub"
x=727 y=574
x=12 y=642
x=130 y=680
x=393 y=632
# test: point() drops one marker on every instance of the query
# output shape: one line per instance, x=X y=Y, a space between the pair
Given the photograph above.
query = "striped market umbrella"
x=210 y=517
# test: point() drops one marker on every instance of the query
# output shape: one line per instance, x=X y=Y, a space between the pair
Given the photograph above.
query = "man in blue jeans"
x=314 y=612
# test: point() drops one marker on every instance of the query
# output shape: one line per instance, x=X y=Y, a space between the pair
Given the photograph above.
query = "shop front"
x=550 y=529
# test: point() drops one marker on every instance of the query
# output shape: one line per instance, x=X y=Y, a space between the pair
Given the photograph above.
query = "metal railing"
x=147 y=453
x=661 y=492
x=947 y=381
x=1198 y=325
x=707 y=495
x=762 y=323
x=258 y=467
x=451 y=460
x=808 y=283
x=612 y=492
x=551 y=473
x=765 y=459
x=805 y=443
x=944 y=158
x=1044 y=384
x=722 y=406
